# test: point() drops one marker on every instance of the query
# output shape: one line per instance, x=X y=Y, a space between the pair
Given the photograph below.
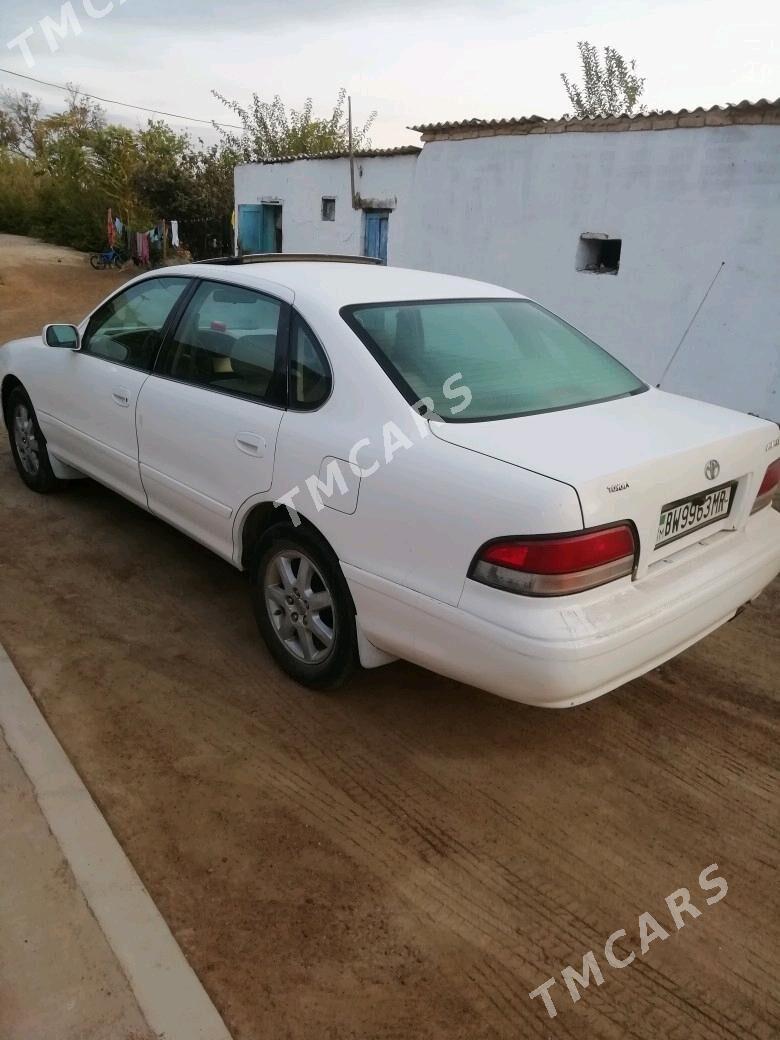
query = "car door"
x=87 y=403
x=209 y=415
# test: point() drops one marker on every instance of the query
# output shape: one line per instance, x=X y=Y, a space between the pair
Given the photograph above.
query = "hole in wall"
x=598 y=254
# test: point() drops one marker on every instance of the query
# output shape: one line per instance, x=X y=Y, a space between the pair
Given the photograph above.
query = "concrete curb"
x=167 y=990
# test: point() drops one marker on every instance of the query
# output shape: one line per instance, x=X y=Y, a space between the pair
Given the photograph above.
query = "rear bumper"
x=561 y=652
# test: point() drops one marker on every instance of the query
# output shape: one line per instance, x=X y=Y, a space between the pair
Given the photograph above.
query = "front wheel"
x=303 y=607
x=96 y=261
x=28 y=445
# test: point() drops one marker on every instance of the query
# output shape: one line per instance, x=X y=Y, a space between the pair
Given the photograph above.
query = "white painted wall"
x=511 y=209
x=300 y=187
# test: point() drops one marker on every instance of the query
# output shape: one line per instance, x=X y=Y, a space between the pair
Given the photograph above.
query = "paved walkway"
x=84 y=952
x=59 y=979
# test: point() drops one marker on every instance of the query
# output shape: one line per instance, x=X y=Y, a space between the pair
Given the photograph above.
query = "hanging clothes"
x=142 y=246
x=110 y=229
x=175 y=234
x=118 y=225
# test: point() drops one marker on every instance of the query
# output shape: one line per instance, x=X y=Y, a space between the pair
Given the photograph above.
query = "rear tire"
x=28 y=445
x=96 y=262
x=303 y=607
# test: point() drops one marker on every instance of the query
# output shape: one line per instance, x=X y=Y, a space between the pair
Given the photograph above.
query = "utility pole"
x=351 y=156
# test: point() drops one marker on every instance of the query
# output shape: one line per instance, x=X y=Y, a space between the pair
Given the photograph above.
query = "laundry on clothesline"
x=142 y=250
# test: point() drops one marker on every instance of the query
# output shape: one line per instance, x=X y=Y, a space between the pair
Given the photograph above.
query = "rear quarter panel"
x=422 y=515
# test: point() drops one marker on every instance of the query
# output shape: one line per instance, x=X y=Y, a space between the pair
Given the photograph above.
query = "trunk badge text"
x=712 y=469
x=612 y=488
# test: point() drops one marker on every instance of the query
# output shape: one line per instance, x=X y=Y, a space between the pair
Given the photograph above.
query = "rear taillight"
x=769 y=485
x=556 y=565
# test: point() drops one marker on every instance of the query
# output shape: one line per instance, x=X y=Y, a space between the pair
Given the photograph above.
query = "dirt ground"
x=41 y=283
x=408 y=858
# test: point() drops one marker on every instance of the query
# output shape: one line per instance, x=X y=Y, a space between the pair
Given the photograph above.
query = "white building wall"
x=510 y=210
x=383 y=183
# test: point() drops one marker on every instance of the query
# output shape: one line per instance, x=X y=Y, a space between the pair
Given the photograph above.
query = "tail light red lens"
x=557 y=565
x=769 y=485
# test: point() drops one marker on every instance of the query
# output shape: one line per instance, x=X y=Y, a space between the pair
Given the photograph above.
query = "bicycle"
x=107 y=259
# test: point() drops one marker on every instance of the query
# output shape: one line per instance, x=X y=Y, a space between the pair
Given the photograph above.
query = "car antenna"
x=690 y=326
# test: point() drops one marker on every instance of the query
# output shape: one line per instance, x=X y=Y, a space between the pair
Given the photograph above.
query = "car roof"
x=341 y=284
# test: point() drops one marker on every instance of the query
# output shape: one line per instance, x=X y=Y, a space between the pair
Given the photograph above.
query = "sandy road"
x=41 y=283
x=408 y=858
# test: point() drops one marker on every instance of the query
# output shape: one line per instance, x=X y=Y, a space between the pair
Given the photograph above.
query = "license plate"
x=689 y=514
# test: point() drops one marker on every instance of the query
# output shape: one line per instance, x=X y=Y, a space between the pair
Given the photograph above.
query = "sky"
x=413 y=61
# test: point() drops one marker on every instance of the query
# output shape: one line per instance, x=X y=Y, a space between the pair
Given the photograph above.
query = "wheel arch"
x=263 y=516
x=10 y=383
x=259 y=519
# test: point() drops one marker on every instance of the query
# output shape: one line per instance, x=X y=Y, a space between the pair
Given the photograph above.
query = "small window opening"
x=598 y=254
x=328 y=208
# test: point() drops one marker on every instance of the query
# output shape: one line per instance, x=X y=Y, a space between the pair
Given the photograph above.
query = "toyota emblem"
x=712 y=469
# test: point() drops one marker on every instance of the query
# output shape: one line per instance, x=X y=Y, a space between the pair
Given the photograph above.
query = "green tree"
x=19 y=195
x=608 y=88
x=114 y=161
x=28 y=134
x=19 y=119
x=49 y=175
x=165 y=172
x=211 y=195
x=270 y=130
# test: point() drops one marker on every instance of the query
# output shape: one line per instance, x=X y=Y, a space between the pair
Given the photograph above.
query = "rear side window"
x=228 y=341
x=513 y=356
x=128 y=328
x=310 y=377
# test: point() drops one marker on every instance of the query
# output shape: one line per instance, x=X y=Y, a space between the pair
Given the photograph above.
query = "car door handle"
x=121 y=396
x=251 y=444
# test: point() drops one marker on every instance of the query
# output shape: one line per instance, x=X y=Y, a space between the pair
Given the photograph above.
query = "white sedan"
x=409 y=465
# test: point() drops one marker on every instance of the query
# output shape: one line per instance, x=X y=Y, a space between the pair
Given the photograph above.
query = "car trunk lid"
x=630 y=458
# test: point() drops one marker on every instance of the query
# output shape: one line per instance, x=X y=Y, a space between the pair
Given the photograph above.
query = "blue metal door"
x=260 y=228
x=376 y=231
x=272 y=229
x=250 y=228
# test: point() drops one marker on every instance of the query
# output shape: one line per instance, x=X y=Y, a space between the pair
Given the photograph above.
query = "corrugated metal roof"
x=742 y=108
x=474 y=124
x=364 y=153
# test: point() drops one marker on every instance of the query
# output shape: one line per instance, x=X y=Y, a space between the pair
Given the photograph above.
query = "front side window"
x=310 y=378
x=128 y=328
x=228 y=341
x=514 y=357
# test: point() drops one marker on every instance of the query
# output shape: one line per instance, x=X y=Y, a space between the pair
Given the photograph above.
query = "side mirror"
x=66 y=336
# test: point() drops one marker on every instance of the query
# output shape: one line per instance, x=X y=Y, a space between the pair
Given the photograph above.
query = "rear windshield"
x=488 y=359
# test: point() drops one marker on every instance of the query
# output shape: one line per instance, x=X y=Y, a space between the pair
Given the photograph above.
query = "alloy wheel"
x=26 y=440
x=300 y=606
